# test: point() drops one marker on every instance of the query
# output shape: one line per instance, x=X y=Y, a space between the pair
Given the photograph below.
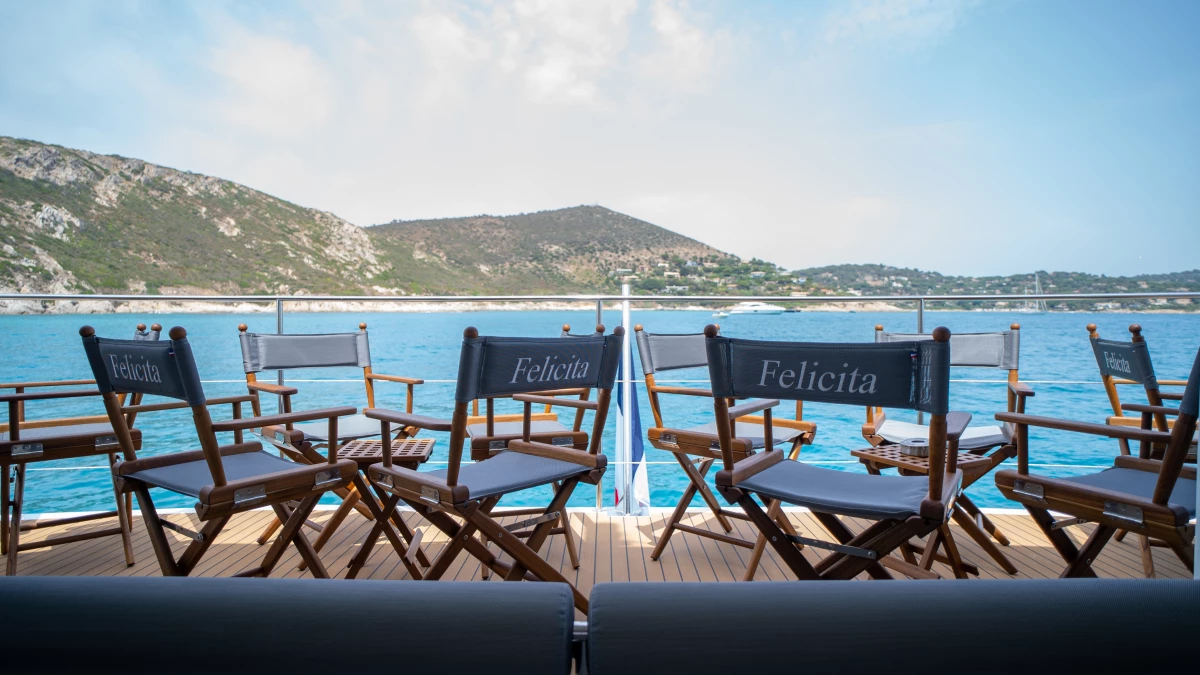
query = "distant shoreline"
x=88 y=307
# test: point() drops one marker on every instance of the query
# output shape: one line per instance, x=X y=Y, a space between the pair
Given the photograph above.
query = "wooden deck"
x=611 y=549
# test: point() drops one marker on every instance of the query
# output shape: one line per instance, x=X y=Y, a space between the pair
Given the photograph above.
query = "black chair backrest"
x=161 y=368
x=502 y=366
x=913 y=375
x=1125 y=360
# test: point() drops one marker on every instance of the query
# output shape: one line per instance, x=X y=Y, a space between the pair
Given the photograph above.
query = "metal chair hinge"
x=249 y=494
x=327 y=478
x=26 y=450
x=107 y=443
x=1126 y=513
x=1031 y=490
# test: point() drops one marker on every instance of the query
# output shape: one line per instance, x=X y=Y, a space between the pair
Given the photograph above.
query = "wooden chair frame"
x=1056 y=504
x=444 y=502
x=696 y=465
x=293 y=444
x=868 y=551
x=16 y=455
x=975 y=463
x=224 y=498
x=1154 y=397
x=485 y=446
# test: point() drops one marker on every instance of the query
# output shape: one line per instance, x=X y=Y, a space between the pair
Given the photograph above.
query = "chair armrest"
x=47 y=395
x=550 y=400
x=408 y=419
x=683 y=391
x=394 y=378
x=1021 y=389
x=580 y=457
x=1173 y=383
x=1108 y=430
x=285 y=418
x=749 y=467
x=33 y=385
x=1170 y=396
x=1146 y=408
x=175 y=405
x=1150 y=466
x=277 y=389
x=751 y=407
x=956 y=424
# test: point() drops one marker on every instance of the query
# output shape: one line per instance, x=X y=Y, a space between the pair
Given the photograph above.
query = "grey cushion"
x=509 y=472
x=972 y=438
x=843 y=493
x=844 y=627
x=1140 y=484
x=100 y=429
x=190 y=477
x=350 y=427
x=516 y=428
x=753 y=432
x=235 y=626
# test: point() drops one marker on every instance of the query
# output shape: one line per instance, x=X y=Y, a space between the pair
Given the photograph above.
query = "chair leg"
x=1058 y=538
x=542 y=530
x=1082 y=564
x=455 y=531
x=956 y=563
x=14 y=528
x=196 y=550
x=293 y=524
x=792 y=557
x=524 y=556
x=154 y=528
x=1120 y=536
x=407 y=533
x=271 y=528
x=568 y=535
x=6 y=470
x=680 y=509
x=982 y=520
x=334 y=522
x=968 y=524
x=843 y=535
x=125 y=524
x=1185 y=550
x=696 y=476
x=305 y=548
x=775 y=512
x=383 y=512
x=1147 y=558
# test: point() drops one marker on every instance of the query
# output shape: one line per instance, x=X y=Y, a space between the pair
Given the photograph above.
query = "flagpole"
x=624 y=448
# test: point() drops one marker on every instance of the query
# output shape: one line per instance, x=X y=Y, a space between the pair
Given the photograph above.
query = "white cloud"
x=907 y=22
x=687 y=49
x=271 y=85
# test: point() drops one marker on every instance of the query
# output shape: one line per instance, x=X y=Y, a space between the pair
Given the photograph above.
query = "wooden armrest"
x=394 y=378
x=175 y=405
x=751 y=407
x=277 y=389
x=285 y=418
x=408 y=419
x=684 y=391
x=748 y=467
x=1150 y=466
x=1020 y=389
x=550 y=400
x=48 y=395
x=956 y=424
x=1146 y=408
x=32 y=385
x=1173 y=383
x=580 y=457
x=1128 y=433
x=1170 y=396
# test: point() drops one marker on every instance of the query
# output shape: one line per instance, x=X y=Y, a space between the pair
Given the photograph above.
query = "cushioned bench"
x=1009 y=626
x=228 y=626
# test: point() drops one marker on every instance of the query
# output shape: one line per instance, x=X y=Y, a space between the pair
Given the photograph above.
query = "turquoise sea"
x=1056 y=359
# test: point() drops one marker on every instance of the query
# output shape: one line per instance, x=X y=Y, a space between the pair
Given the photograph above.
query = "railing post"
x=599 y=312
x=625 y=420
x=278 y=331
x=921 y=329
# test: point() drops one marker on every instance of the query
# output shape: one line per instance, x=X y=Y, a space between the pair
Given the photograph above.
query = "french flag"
x=637 y=450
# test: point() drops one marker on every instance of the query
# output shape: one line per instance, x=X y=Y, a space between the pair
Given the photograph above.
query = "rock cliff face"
x=73 y=221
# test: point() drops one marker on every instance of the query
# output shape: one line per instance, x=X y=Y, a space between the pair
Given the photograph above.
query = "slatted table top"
x=407 y=451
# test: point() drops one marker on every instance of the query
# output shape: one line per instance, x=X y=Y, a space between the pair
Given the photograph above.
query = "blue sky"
x=965 y=137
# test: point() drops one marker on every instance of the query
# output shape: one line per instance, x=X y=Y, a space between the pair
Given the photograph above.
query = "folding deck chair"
x=1128 y=363
x=301 y=442
x=491 y=433
x=24 y=442
x=984 y=447
x=1155 y=499
x=910 y=375
x=491 y=367
x=225 y=480
x=663 y=352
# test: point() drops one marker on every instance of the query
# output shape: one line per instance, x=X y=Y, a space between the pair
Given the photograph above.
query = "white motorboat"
x=755 y=308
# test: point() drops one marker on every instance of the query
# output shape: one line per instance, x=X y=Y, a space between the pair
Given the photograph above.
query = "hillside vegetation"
x=72 y=221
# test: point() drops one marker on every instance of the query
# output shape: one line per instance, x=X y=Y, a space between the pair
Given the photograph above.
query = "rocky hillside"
x=585 y=248
x=74 y=221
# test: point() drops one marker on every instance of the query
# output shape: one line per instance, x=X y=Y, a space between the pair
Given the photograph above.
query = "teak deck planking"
x=611 y=549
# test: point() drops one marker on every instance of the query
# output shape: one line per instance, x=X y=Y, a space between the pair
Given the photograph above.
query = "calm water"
x=1056 y=359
